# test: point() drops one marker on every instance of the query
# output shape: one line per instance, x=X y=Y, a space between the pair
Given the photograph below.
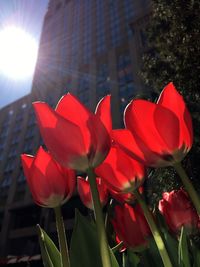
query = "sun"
x=18 y=53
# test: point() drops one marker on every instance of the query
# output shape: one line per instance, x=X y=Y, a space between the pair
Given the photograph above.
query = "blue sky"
x=28 y=15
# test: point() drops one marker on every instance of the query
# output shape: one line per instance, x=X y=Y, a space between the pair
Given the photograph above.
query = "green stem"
x=104 y=248
x=157 y=237
x=188 y=186
x=62 y=238
x=123 y=260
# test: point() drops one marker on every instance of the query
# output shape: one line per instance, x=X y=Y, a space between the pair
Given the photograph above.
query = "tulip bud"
x=50 y=184
x=131 y=226
x=120 y=172
x=178 y=211
x=157 y=134
x=85 y=193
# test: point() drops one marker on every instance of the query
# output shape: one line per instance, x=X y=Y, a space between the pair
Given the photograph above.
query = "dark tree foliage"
x=173 y=54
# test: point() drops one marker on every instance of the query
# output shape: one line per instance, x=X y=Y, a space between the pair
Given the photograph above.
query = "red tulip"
x=178 y=211
x=131 y=226
x=50 y=184
x=85 y=193
x=157 y=134
x=75 y=137
x=120 y=172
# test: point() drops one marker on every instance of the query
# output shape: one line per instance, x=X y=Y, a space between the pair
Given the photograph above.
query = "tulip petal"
x=27 y=161
x=62 y=137
x=135 y=149
x=173 y=101
x=120 y=172
x=46 y=178
x=70 y=108
x=83 y=188
x=103 y=110
x=99 y=140
x=156 y=126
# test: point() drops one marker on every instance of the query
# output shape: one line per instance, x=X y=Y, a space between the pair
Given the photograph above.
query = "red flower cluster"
x=156 y=135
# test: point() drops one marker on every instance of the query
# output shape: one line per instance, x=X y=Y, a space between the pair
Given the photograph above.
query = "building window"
x=83 y=89
x=4 y=132
x=100 y=30
x=26 y=217
x=103 y=84
x=15 y=140
x=20 y=116
x=21 y=177
x=13 y=152
x=6 y=181
x=125 y=79
x=115 y=23
x=24 y=106
x=10 y=165
x=30 y=132
x=28 y=146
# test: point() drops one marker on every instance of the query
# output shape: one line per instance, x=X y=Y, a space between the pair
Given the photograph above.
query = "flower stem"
x=62 y=238
x=188 y=186
x=104 y=248
x=157 y=237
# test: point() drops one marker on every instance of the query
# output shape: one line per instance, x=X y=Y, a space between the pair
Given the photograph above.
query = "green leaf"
x=183 y=253
x=132 y=258
x=196 y=255
x=50 y=254
x=113 y=259
x=172 y=247
x=171 y=243
x=84 y=248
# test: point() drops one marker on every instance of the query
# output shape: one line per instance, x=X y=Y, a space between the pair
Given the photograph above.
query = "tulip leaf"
x=183 y=253
x=113 y=259
x=170 y=242
x=132 y=259
x=196 y=256
x=84 y=248
x=171 y=246
x=50 y=254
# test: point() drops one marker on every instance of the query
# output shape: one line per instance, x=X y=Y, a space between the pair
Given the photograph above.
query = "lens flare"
x=18 y=53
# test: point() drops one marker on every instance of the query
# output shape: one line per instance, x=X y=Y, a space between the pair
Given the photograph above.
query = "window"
x=28 y=146
x=30 y=132
x=17 y=127
x=103 y=84
x=6 y=181
x=10 y=165
x=83 y=89
x=15 y=140
x=32 y=119
x=12 y=152
x=21 y=177
x=115 y=23
x=4 y=132
x=125 y=79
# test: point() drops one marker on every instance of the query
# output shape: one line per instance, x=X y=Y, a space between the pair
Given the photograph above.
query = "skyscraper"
x=90 y=48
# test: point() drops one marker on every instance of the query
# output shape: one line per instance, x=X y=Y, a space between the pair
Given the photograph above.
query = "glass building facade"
x=89 y=48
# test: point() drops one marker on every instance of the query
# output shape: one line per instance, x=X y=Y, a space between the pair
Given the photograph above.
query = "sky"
x=28 y=15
